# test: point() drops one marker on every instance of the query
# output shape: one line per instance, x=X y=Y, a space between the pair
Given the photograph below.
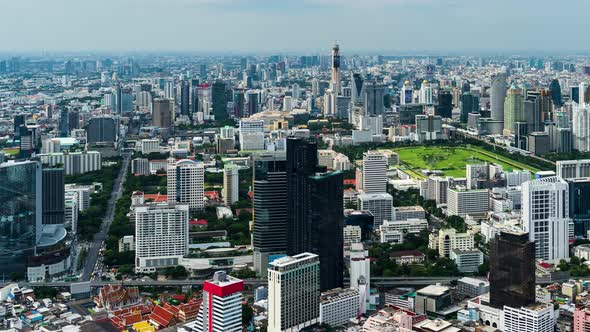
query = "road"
x=101 y=236
x=382 y=281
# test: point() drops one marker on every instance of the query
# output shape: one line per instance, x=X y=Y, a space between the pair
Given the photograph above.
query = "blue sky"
x=302 y=26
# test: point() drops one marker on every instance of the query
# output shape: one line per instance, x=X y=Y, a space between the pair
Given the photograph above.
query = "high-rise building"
x=162 y=113
x=221 y=309
x=64 y=123
x=571 y=169
x=73 y=162
x=335 y=80
x=380 y=206
x=293 y=292
x=231 y=184
x=512 y=270
x=581 y=127
x=253 y=103
x=497 y=96
x=161 y=235
x=374 y=172
x=444 y=107
x=21 y=211
x=357 y=90
x=513 y=109
x=186 y=180
x=360 y=274
x=545 y=216
x=102 y=129
x=426 y=95
x=53 y=195
x=315 y=210
x=374 y=98
x=185 y=98
x=406 y=94
x=539 y=317
x=579 y=208
x=219 y=101
x=469 y=104
x=270 y=212
x=555 y=88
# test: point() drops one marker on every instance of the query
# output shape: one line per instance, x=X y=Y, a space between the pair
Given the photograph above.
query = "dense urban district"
x=330 y=192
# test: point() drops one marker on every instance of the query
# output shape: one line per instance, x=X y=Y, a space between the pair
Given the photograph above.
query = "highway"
x=101 y=236
x=382 y=281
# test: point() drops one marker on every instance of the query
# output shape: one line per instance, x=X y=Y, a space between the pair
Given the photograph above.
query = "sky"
x=295 y=26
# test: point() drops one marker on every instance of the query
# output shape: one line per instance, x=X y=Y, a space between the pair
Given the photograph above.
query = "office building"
x=428 y=127
x=380 y=206
x=513 y=109
x=186 y=181
x=497 y=96
x=374 y=98
x=219 y=101
x=338 y=306
x=469 y=104
x=468 y=287
x=163 y=113
x=539 y=143
x=73 y=162
x=231 y=184
x=140 y=166
x=571 y=169
x=539 y=317
x=293 y=292
x=251 y=135
x=102 y=129
x=579 y=204
x=545 y=216
x=444 y=107
x=461 y=201
x=406 y=226
x=53 y=195
x=512 y=270
x=357 y=89
x=406 y=94
x=432 y=299
x=408 y=212
x=161 y=235
x=270 y=212
x=21 y=211
x=374 y=172
x=221 y=309
x=467 y=261
x=426 y=96
x=315 y=210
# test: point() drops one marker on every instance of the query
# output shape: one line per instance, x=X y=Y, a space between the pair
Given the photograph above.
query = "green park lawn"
x=452 y=160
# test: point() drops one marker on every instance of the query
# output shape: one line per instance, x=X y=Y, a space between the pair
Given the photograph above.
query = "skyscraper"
x=512 y=270
x=221 y=309
x=315 y=210
x=335 y=81
x=102 y=129
x=21 y=211
x=374 y=98
x=270 y=212
x=513 y=109
x=53 y=195
x=497 y=96
x=293 y=292
x=219 y=100
x=185 y=98
x=162 y=114
x=64 y=123
x=357 y=91
x=374 y=172
x=469 y=104
x=579 y=207
x=231 y=184
x=426 y=96
x=555 y=88
x=545 y=216
x=444 y=107
x=360 y=274
x=161 y=235
x=186 y=183
x=406 y=94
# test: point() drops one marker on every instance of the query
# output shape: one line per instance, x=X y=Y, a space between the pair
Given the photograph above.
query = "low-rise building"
x=338 y=306
x=471 y=287
x=467 y=261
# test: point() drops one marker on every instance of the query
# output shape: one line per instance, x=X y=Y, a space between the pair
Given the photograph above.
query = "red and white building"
x=221 y=309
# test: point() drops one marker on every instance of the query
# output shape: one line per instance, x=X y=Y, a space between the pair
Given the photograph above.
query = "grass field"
x=452 y=160
x=12 y=151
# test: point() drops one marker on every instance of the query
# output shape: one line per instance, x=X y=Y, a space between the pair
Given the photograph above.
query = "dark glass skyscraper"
x=555 y=92
x=512 y=270
x=444 y=108
x=469 y=104
x=64 y=123
x=270 y=212
x=53 y=196
x=315 y=211
x=20 y=215
x=102 y=129
x=219 y=100
x=185 y=95
x=580 y=204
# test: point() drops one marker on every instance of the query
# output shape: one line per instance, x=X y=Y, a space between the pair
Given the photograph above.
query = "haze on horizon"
x=303 y=26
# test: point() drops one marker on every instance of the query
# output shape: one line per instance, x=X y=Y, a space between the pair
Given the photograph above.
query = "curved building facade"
x=497 y=96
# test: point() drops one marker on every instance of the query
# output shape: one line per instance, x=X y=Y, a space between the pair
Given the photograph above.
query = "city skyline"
x=307 y=26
